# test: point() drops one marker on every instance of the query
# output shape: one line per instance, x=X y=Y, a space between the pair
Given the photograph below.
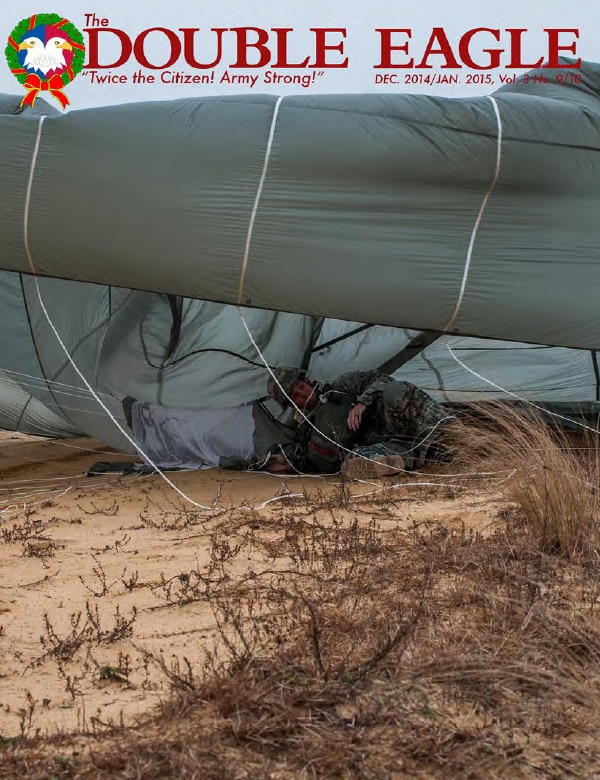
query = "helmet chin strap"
x=305 y=412
x=312 y=392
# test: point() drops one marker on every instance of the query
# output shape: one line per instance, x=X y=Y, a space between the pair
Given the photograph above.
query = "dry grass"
x=358 y=652
x=411 y=653
x=556 y=472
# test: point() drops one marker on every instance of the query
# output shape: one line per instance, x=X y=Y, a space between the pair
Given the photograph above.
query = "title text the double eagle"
x=479 y=48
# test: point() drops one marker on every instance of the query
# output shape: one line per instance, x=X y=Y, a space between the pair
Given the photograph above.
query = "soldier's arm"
x=366 y=386
x=427 y=413
x=373 y=389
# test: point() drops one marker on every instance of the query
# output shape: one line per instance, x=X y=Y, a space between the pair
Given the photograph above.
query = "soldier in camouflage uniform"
x=387 y=425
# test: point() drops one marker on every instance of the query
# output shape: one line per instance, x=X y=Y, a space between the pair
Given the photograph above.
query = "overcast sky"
x=361 y=43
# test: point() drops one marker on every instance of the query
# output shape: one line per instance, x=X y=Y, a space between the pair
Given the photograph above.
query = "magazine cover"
x=299 y=390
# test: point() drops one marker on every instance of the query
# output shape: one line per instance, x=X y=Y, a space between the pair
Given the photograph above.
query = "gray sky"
x=361 y=44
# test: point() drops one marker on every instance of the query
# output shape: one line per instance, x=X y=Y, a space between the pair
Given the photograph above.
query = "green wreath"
x=12 y=55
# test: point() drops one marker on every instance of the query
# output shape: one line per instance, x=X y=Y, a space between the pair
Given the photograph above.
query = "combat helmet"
x=286 y=376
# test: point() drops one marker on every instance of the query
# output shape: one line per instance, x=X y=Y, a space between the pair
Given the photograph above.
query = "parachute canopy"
x=477 y=216
x=356 y=227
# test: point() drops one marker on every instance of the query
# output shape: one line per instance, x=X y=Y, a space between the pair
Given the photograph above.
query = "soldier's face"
x=303 y=395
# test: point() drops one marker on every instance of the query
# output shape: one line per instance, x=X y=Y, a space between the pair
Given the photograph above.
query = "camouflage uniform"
x=398 y=414
x=409 y=412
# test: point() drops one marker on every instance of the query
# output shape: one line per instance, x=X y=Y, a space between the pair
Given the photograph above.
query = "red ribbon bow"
x=34 y=84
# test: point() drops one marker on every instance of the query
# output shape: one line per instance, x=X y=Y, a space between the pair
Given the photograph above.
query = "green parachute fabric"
x=122 y=342
x=367 y=205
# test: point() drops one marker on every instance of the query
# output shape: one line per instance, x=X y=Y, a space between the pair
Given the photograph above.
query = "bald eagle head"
x=45 y=58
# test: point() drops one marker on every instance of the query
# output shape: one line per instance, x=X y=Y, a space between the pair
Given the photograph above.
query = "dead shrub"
x=368 y=653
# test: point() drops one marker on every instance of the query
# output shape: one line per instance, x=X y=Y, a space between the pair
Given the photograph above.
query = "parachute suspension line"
x=518 y=397
x=484 y=202
x=60 y=341
x=257 y=197
x=46 y=381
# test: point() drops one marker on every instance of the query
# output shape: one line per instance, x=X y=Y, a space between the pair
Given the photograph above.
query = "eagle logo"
x=45 y=52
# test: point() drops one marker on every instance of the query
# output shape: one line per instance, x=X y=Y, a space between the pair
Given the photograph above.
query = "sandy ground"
x=92 y=570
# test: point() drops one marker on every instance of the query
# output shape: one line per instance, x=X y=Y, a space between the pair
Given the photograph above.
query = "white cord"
x=51 y=482
x=518 y=397
x=64 y=348
x=257 y=197
x=46 y=382
x=279 y=498
x=85 y=449
x=18 y=508
x=479 y=216
x=71 y=408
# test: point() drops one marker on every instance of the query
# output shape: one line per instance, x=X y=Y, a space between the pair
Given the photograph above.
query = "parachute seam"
x=27 y=204
x=482 y=207
x=257 y=198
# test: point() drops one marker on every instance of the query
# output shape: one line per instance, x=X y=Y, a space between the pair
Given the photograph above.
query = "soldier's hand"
x=277 y=464
x=355 y=416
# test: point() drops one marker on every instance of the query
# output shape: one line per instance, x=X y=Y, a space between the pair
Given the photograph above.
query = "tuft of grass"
x=552 y=472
